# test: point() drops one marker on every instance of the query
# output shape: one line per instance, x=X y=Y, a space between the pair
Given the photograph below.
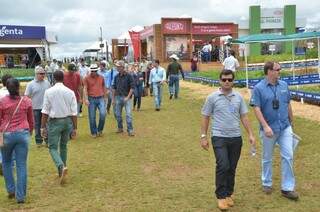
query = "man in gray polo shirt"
x=35 y=90
x=226 y=109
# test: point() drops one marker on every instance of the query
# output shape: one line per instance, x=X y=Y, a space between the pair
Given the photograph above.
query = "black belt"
x=58 y=118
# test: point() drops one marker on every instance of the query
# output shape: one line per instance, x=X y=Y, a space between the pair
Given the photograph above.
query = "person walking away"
x=173 y=74
x=72 y=80
x=94 y=93
x=59 y=118
x=156 y=80
x=271 y=103
x=123 y=87
x=3 y=92
x=35 y=90
x=231 y=62
x=16 y=124
x=226 y=109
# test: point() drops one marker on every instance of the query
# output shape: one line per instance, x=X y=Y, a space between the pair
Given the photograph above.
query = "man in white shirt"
x=52 y=68
x=62 y=113
x=231 y=63
x=156 y=80
x=83 y=71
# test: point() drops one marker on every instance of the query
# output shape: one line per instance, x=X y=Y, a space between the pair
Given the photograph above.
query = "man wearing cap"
x=123 y=87
x=156 y=79
x=94 y=93
x=35 y=90
x=173 y=74
x=72 y=80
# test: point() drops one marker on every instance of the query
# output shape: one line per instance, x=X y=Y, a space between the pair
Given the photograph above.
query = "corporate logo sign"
x=22 y=32
x=272 y=18
x=176 y=26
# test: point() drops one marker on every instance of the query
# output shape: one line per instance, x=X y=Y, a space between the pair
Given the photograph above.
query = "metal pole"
x=246 y=61
x=107 y=51
x=101 y=41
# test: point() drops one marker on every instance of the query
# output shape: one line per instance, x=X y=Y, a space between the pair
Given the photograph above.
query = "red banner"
x=135 y=40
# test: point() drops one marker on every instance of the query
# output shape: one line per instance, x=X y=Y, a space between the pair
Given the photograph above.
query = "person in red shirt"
x=16 y=123
x=72 y=80
x=94 y=94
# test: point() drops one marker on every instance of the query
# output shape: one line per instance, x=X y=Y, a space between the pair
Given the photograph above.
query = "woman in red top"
x=16 y=139
x=194 y=63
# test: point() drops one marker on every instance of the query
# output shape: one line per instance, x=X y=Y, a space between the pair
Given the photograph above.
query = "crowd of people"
x=50 y=108
x=54 y=100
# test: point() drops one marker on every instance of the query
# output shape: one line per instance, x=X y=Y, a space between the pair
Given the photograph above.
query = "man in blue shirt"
x=156 y=79
x=271 y=102
x=111 y=76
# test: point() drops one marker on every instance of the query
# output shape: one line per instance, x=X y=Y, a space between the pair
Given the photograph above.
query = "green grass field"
x=17 y=72
x=162 y=168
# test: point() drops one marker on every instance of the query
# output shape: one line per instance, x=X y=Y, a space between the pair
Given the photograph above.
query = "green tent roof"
x=260 y=38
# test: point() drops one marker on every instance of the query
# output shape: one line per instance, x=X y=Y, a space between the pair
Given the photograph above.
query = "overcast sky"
x=77 y=22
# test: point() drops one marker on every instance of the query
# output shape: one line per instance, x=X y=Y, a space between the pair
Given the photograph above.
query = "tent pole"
x=246 y=61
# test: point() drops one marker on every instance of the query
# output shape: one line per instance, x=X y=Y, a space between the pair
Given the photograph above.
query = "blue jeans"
x=50 y=78
x=174 y=85
x=137 y=93
x=37 y=125
x=119 y=104
x=16 y=142
x=94 y=104
x=285 y=141
x=157 y=92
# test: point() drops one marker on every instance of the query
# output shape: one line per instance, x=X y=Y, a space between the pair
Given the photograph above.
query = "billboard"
x=13 y=32
x=177 y=45
x=210 y=29
x=272 y=18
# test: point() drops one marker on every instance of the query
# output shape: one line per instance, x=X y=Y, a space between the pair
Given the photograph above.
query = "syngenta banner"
x=22 y=32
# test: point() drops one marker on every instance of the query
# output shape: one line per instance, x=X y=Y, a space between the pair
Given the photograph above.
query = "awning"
x=260 y=38
x=16 y=46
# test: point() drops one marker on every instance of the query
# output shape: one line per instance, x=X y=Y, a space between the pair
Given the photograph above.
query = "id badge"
x=232 y=109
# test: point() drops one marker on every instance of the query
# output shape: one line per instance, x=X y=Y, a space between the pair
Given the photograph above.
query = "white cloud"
x=77 y=22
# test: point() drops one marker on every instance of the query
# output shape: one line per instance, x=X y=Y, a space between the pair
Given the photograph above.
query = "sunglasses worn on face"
x=279 y=69
x=226 y=79
x=41 y=73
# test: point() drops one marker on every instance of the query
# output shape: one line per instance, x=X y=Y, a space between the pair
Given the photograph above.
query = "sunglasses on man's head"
x=226 y=79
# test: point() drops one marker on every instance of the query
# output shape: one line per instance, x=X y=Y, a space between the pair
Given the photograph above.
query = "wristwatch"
x=203 y=136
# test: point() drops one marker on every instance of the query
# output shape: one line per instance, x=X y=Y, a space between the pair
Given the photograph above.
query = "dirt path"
x=302 y=110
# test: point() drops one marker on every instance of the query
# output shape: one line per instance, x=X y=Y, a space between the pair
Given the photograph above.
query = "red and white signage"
x=176 y=26
x=212 y=29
